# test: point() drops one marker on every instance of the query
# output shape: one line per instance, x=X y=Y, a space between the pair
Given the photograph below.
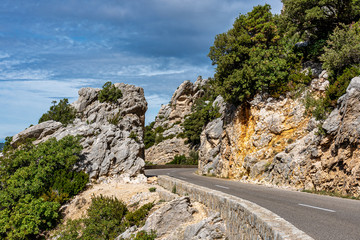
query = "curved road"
x=321 y=217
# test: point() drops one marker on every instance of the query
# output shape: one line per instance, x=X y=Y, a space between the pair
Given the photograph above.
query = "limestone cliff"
x=170 y=118
x=273 y=141
x=112 y=133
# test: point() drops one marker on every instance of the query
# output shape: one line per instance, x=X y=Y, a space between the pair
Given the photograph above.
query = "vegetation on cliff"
x=109 y=93
x=203 y=113
x=62 y=112
x=260 y=54
x=35 y=181
x=107 y=217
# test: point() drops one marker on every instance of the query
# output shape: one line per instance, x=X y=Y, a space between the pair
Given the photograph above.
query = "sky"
x=49 y=49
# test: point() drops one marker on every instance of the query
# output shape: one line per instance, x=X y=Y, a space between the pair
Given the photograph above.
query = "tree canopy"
x=249 y=58
x=318 y=18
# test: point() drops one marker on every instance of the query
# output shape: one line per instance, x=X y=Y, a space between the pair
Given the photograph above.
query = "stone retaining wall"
x=244 y=219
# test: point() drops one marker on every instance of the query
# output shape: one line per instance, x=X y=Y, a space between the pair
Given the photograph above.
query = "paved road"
x=321 y=217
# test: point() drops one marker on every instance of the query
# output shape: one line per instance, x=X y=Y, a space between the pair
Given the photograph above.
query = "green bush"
x=152 y=189
x=106 y=218
x=134 y=136
x=338 y=86
x=138 y=217
x=35 y=181
x=62 y=112
x=203 y=113
x=7 y=145
x=154 y=136
x=316 y=107
x=143 y=235
x=343 y=48
x=316 y=19
x=183 y=160
x=109 y=93
x=321 y=107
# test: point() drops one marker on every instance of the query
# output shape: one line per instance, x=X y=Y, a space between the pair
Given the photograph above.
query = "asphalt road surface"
x=321 y=217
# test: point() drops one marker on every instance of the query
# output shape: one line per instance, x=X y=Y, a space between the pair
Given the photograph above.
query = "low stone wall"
x=244 y=219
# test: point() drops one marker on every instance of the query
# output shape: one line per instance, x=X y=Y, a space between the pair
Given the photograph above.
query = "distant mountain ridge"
x=1 y=146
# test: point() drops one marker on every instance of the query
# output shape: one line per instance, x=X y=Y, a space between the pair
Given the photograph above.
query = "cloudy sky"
x=49 y=49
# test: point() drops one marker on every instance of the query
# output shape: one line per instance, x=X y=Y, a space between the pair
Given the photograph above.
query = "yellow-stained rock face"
x=257 y=133
x=273 y=141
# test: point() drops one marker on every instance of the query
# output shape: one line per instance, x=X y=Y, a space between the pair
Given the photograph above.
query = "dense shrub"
x=138 y=217
x=7 y=145
x=35 y=181
x=109 y=93
x=62 y=112
x=317 y=19
x=193 y=159
x=153 y=136
x=320 y=107
x=143 y=235
x=106 y=218
x=338 y=86
x=343 y=48
x=203 y=113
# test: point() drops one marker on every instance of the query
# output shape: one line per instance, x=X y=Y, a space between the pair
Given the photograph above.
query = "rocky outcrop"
x=273 y=141
x=243 y=142
x=112 y=133
x=37 y=132
x=169 y=216
x=212 y=227
x=328 y=161
x=165 y=151
x=170 y=118
x=175 y=220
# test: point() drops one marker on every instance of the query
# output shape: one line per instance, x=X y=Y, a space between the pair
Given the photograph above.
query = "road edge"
x=243 y=218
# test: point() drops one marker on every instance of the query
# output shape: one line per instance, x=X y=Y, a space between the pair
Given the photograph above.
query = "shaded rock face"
x=170 y=118
x=108 y=148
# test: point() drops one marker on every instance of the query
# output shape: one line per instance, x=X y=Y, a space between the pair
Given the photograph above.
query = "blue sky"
x=49 y=49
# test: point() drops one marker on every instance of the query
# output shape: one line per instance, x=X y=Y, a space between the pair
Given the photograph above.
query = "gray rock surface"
x=168 y=217
x=108 y=149
x=212 y=227
x=38 y=131
x=170 y=118
x=327 y=162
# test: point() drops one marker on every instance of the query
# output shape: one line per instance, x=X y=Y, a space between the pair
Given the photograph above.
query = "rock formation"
x=273 y=141
x=329 y=162
x=173 y=222
x=112 y=133
x=170 y=118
